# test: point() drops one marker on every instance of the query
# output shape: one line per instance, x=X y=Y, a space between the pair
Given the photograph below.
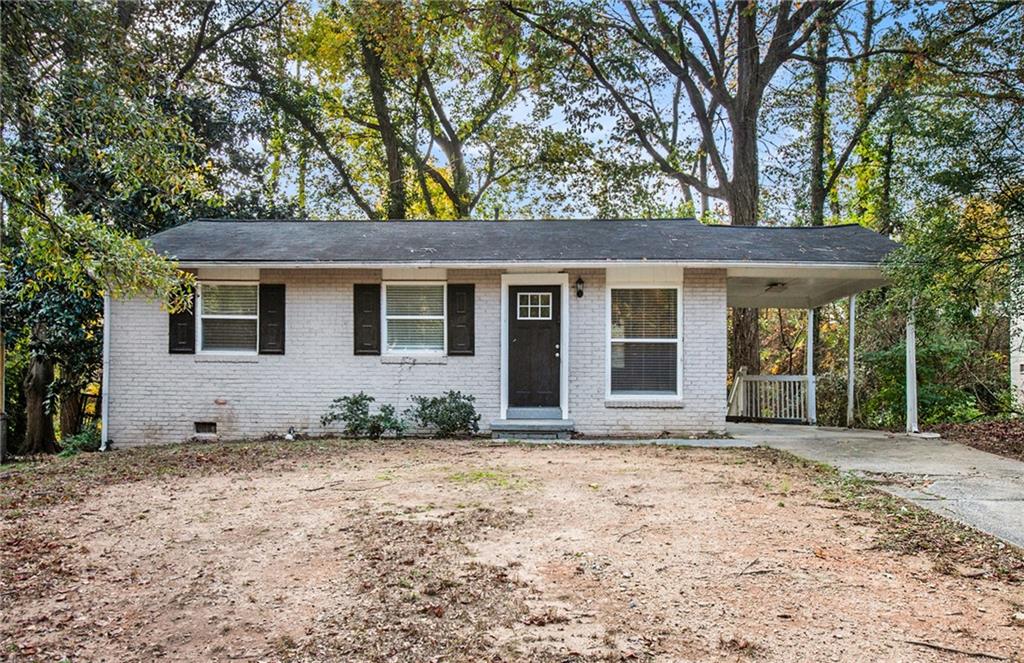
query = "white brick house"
x=597 y=327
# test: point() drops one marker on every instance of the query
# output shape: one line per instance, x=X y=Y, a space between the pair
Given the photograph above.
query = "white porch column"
x=849 y=362
x=812 y=405
x=911 y=373
x=1016 y=355
x=105 y=385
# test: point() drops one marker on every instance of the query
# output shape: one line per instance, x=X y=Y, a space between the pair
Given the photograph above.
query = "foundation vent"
x=206 y=428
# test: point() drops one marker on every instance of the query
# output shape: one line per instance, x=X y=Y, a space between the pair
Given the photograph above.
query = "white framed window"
x=644 y=341
x=414 y=317
x=227 y=317
x=533 y=305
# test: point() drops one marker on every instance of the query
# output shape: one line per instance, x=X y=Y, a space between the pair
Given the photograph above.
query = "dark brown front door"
x=534 y=337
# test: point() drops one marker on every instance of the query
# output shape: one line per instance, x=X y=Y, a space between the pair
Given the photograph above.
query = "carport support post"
x=812 y=405
x=849 y=362
x=911 y=372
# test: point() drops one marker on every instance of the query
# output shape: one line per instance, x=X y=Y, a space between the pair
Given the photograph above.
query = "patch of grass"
x=21 y=464
x=493 y=477
x=903 y=527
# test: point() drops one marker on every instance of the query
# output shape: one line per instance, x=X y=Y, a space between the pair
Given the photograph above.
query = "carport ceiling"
x=798 y=288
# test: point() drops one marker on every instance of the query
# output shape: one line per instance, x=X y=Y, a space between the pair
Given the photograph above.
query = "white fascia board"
x=736 y=268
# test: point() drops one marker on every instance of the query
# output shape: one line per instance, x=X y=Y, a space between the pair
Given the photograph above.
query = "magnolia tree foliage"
x=86 y=133
x=94 y=149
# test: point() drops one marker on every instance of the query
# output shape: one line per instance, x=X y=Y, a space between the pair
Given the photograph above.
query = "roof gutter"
x=545 y=264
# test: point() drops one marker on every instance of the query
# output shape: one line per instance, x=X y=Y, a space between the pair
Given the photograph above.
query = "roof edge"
x=551 y=264
x=536 y=220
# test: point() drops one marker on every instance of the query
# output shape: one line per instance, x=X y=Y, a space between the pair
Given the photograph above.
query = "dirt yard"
x=416 y=551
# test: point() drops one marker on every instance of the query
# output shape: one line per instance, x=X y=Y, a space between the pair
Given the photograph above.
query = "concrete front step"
x=532 y=429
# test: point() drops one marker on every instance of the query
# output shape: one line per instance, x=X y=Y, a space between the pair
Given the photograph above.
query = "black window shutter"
x=460 y=319
x=271 y=319
x=366 y=318
x=182 y=330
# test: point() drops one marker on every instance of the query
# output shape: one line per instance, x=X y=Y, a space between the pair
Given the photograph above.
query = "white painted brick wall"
x=702 y=403
x=156 y=397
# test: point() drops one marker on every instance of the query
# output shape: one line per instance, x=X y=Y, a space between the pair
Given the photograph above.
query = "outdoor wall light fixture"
x=579 y=287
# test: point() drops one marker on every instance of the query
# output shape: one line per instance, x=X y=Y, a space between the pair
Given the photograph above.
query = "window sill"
x=226 y=358
x=413 y=359
x=665 y=403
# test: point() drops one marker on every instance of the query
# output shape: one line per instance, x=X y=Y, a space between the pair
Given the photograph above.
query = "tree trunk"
x=885 y=225
x=303 y=164
x=39 y=435
x=452 y=149
x=746 y=340
x=70 y=413
x=819 y=112
x=861 y=90
x=743 y=191
x=374 y=68
x=742 y=198
x=704 y=199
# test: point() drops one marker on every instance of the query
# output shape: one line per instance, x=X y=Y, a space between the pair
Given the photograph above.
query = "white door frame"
x=560 y=279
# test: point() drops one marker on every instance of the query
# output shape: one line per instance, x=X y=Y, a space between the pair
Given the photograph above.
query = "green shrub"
x=385 y=421
x=354 y=411
x=449 y=415
x=87 y=440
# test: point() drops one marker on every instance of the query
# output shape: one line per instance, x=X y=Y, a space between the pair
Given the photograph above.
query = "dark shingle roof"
x=580 y=241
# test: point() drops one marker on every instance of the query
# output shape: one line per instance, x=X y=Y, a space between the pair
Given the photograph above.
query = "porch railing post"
x=911 y=372
x=812 y=406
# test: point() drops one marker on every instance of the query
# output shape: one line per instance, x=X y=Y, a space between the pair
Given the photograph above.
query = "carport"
x=792 y=398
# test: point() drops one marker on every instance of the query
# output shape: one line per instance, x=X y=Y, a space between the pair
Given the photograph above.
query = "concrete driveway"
x=978 y=488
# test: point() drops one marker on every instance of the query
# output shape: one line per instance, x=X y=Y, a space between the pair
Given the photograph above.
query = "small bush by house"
x=452 y=414
x=87 y=440
x=354 y=412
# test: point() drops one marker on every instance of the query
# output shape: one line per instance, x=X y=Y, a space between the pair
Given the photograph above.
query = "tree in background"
x=64 y=330
x=99 y=147
x=418 y=109
x=659 y=65
x=921 y=141
x=119 y=119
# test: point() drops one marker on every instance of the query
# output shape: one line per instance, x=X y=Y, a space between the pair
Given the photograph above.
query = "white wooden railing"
x=772 y=398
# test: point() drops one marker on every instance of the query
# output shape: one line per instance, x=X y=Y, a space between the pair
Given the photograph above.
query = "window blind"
x=229 y=317
x=644 y=341
x=646 y=313
x=229 y=299
x=229 y=334
x=415 y=317
x=418 y=300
